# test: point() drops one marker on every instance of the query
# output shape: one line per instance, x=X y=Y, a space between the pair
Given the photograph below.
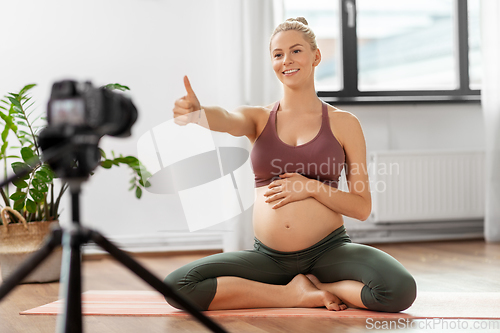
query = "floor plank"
x=469 y=265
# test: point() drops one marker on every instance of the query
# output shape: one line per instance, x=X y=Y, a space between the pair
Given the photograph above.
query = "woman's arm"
x=240 y=122
x=356 y=203
x=187 y=110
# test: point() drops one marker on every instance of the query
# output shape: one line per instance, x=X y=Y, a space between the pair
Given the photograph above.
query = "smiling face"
x=292 y=58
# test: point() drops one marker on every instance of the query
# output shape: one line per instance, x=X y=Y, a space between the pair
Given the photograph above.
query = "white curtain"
x=490 y=11
x=245 y=77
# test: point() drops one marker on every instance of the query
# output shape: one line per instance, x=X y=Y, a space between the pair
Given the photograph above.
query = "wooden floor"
x=470 y=265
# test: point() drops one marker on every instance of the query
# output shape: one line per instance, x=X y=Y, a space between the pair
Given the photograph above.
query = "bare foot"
x=311 y=297
x=317 y=283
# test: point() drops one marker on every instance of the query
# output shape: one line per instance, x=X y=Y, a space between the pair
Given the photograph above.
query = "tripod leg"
x=152 y=280
x=52 y=241
x=71 y=286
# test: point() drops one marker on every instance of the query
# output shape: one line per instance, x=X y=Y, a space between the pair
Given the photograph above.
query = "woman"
x=302 y=255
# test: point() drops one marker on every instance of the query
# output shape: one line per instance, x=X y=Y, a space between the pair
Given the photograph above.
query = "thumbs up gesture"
x=187 y=108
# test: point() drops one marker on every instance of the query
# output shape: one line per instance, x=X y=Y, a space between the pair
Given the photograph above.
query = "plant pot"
x=19 y=241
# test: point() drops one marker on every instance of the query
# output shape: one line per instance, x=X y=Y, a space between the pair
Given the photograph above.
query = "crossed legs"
x=238 y=293
x=351 y=275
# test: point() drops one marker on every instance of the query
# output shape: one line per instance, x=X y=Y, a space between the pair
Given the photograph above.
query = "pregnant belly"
x=294 y=226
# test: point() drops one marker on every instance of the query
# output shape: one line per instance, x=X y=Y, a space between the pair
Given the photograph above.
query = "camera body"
x=78 y=115
x=83 y=106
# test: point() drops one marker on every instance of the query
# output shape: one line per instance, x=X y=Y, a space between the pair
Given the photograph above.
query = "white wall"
x=149 y=46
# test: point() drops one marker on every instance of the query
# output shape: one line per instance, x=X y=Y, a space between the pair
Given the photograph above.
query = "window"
x=395 y=50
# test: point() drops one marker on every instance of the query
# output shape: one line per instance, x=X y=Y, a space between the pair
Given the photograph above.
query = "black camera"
x=98 y=109
x=78 y=115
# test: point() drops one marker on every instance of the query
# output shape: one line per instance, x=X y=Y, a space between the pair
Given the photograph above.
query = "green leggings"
x=389 y=287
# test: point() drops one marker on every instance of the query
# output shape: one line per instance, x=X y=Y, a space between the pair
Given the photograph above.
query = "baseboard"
x=162 y=242
x=362 y=232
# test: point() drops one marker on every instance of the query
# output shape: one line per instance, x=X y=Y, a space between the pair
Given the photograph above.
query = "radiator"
x=412 y=186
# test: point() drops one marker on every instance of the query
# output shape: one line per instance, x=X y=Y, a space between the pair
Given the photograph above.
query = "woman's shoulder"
x=345 y=117
x=266 y=109
x=253 y=116
x=254 y=109
x=336 y=111
x=345 y=125
x=256 y=114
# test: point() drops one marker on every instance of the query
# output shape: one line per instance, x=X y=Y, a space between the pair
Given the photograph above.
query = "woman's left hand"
x=291 y=187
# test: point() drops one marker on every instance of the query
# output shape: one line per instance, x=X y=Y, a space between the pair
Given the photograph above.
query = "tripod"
x=72 y=239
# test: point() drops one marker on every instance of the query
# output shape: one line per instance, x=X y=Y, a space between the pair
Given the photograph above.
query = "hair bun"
x=298 y=19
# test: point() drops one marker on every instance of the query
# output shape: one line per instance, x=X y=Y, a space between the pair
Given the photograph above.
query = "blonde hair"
x=297 y=24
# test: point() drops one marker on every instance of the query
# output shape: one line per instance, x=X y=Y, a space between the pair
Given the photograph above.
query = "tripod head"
x=81 y=152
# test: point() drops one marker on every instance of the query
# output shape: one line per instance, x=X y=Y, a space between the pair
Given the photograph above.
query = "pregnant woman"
x=302 y=255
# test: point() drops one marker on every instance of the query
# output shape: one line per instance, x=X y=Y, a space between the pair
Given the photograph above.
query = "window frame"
x=350 y=92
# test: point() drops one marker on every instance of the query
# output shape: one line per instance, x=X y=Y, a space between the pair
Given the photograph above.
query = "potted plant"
x=33 y=203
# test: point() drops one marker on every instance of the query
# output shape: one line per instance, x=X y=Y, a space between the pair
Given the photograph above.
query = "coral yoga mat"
x=467 y=305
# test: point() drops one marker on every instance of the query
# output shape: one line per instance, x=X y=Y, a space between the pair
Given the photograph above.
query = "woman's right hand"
x=187 y=109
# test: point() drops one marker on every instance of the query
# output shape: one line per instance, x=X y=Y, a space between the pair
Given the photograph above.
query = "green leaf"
x=36 y=195
x=19 y=167
x=126 y=160
x=138 y=192
x=43 y=176
x=117 y=86
x=30 y=113
x=19 y=205
x=107 y=164
x=132 y=158
x=18 y=196
x=148 y=184
x=26 y=88
x=20 y=183
x=5 y=133
x=132 y=187
x=136 y=167
x=48 y=170
x=27 y=154
x=13 y=127
x=26 y=99
x=30 y=206
x=5 y=117
x=24 y=140
x=15 y=102
x=103 y=154
x=29 y=106
x=4 y=148
x=24 y=133
x=40 y=186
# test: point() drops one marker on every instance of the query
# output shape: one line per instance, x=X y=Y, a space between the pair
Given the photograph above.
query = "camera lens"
x=120 y=114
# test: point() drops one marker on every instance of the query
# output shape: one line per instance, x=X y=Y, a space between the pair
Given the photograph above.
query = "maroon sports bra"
x=322 y=158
